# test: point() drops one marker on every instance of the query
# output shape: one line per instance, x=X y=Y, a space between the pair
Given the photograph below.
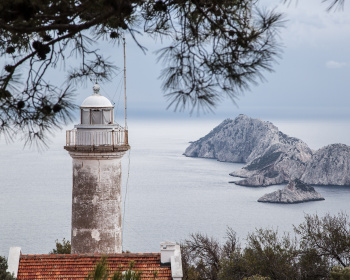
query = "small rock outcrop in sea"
x=329 y=165
x=295 y=192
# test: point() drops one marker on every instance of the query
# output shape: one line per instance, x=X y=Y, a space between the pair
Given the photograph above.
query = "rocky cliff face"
x=277 y=165
x=295 y=192
x=239 y=140
x=329 y=165
x=272 y=156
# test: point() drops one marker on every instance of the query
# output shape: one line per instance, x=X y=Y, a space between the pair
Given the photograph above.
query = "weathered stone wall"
x=96 y=203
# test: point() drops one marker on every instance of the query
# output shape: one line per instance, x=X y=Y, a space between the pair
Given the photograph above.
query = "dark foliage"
x=332 y=4
x=4 y=275
x=271 y=256
x=261 y=162
x=202 y=256
x=102 y=272
x=62 y=248
x=340 y=273
x=328 y=236
x=217 y=48
x=317 y=252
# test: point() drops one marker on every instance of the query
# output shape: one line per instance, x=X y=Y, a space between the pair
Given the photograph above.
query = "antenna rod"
x=126 y=126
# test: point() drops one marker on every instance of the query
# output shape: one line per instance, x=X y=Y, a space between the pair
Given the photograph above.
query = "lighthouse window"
x=85 y=116
x=96 y=117
x=107 y=116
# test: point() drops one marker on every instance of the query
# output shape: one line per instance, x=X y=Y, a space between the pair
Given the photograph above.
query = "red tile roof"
x=78 y=266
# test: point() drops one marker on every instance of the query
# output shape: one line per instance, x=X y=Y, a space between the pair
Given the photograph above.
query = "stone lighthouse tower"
x=96 y=146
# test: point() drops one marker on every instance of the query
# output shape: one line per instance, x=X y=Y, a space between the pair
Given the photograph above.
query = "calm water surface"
x=168 y=195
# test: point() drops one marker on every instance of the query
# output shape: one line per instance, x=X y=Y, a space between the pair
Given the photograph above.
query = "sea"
x=166 y=196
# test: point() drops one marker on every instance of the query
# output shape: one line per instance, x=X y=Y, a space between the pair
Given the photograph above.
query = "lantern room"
x=96 y=109
x=97 y=129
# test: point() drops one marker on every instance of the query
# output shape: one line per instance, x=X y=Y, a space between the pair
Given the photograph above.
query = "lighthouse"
x=96 y=145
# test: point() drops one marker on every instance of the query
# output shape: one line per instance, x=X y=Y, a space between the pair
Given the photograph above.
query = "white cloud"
x=335 y=64
x=309 y=25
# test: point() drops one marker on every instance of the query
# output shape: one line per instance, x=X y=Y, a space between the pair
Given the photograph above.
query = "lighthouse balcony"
x=97 y=140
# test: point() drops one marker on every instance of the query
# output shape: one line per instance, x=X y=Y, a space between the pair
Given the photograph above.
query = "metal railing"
x=96 y=138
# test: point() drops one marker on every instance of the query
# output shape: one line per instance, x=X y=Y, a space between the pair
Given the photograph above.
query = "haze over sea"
x=169 y=196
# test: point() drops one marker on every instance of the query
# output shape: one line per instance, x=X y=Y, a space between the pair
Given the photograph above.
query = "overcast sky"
x=311 y=80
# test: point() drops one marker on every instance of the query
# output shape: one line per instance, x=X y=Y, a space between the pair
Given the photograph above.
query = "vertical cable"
x=126 y=126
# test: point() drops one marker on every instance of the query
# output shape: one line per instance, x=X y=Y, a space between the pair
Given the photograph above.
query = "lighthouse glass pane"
x=85 y=116
x=96 y=117
x=107 y=116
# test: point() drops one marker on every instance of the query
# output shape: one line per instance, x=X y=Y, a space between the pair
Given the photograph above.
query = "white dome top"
x=96 y=100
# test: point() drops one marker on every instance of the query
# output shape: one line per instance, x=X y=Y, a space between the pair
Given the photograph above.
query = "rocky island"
x=272 y=157
x=295 y=192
